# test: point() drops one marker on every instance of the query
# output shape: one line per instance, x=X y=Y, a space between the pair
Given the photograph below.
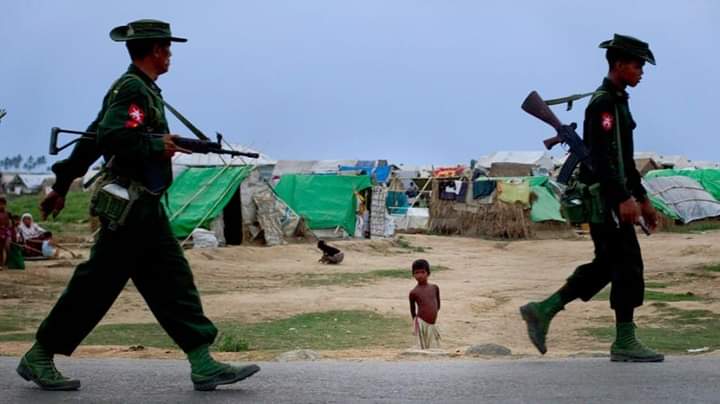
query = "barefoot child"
x=427 y=298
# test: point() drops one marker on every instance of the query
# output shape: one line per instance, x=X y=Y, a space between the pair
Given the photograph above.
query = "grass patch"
x=15 y=321
x=73 y=220
x=655 y=295
x=403 y=243
x=695 y=227
x=676 y=331
x=76 y=207
x=711 y=267
x=325 y=330
x=359 y=278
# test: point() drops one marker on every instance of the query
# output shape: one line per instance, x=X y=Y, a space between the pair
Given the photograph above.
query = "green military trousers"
x=145 y=251
x=618 y=261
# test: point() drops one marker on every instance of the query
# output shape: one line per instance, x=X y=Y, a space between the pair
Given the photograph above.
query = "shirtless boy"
x=426 y=296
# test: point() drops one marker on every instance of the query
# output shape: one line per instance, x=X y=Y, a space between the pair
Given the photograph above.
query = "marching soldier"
x=608 y=132
x=138 y=245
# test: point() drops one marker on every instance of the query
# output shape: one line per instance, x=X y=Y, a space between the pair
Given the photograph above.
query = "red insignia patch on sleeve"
x=137 y=116
x=607 y=121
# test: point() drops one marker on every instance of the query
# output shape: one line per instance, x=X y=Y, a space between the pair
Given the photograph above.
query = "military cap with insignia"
x=144 y=29
x=631 y=46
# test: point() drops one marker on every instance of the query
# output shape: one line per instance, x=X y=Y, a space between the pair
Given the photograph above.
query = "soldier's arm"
x=600 y=117
x=123 y=129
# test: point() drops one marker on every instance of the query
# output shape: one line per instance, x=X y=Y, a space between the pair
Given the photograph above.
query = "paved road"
x=678 y=380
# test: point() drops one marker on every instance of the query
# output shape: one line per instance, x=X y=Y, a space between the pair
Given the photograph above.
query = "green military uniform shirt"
x=599 y=134
x=131 y=109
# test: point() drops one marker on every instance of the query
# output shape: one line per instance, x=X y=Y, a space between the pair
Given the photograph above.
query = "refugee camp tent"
x=709 y=178
x=232 y=201
x=264 y=164
x=29 y=183
x=495 y=207
x=324 y=201
x=200 y=194
x=682 y=198
x=537 y=159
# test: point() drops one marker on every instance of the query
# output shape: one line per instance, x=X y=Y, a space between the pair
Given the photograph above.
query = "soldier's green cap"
x=144 y=29
x=631 y=46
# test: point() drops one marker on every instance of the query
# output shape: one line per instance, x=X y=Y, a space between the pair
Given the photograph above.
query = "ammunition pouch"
x=113 y=199
x=582 y=203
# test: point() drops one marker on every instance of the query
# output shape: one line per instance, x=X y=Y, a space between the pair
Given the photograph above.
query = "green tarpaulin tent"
x=709 y=178
x=324 y=201
x=199 y=194
x=546 y=206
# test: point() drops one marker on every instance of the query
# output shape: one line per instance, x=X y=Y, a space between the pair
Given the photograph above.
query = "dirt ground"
x=481 y=293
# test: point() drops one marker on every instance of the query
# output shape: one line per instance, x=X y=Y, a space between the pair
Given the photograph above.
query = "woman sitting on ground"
x=36 y=240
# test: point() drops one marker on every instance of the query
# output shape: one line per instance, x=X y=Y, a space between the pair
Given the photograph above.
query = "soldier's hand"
x=649 y=214
x=171 y=148
x=53 y=203
x=629 y=211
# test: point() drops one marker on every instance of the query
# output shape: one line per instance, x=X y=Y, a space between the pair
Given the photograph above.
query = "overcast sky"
x=409 y=81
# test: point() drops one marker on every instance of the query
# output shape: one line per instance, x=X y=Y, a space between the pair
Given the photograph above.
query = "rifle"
x=566 y=134
x=194 y=145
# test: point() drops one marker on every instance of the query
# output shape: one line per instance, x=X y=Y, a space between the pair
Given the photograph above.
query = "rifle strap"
x=197 y=132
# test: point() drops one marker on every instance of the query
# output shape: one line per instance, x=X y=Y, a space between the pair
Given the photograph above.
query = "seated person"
x=31 y=236
x=331 y=255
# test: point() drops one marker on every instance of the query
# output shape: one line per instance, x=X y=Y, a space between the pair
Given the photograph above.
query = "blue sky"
x=411 y=81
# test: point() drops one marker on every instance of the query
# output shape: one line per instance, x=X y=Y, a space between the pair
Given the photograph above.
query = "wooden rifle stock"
x=535 y=106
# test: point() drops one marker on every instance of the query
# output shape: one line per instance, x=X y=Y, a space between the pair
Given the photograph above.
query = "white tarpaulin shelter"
x=540 y=159
x=684 y=195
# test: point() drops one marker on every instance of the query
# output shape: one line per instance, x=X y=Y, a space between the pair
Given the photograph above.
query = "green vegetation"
x=358 y=278
x=15 y=321
x=75 y=211
x=711 y=267
x=695 y=227
x=231 y=343
x=675 y=331
x=324 y=330
x=403 y=243
x=73 y=220
x=655 y=295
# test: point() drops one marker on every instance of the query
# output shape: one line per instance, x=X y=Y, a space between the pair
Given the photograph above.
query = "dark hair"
x=140 y=48
x=47 y=234
x=2 y=199
x=320 y=243
x=616 y=55
x=421 y=264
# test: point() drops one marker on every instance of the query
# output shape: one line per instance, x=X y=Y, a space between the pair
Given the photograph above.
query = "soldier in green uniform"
x=143 y=248
x=608 y=132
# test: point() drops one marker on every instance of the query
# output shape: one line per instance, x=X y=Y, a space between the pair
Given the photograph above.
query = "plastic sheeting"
x=324 y=201
x=199 y=195
x=276 y=219
x=709 y=178
x=684 y=195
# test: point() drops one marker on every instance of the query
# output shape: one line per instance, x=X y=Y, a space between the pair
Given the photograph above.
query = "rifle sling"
x=197 y=132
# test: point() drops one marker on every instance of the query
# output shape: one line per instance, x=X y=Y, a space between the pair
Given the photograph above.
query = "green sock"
x=202 y=363
x=38 y=353
x=624 y=334
x=552 y=305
